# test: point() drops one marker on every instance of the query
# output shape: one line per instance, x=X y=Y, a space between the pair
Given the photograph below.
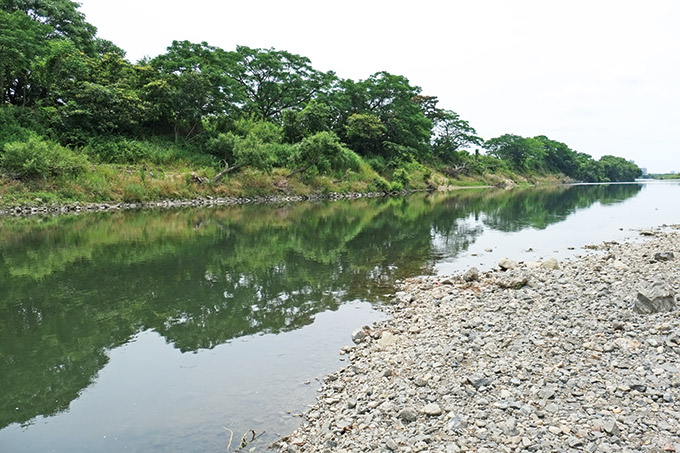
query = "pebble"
x=560 y=362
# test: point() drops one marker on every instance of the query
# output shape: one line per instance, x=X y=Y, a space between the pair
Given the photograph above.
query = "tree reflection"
x=75 y=287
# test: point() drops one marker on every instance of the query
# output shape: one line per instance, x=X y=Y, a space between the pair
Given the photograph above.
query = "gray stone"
x=506 y=264
x=551 y=264
x=432 y=409
x=392 y=445
x=402 y=297
x=478 y=380
x=664 y=256
x=408 y=414
x=655 y=298
x=358 y=336
x=472 y=275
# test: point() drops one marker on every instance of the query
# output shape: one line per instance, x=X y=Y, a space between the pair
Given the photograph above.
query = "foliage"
x=38 y=158
x=365 y=133
x=619 y=169
x=314 y=117
x=273 y=81
x=250 y=107
x=324 y=152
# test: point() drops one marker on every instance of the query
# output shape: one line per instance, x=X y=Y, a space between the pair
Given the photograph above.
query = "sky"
x=602 y=76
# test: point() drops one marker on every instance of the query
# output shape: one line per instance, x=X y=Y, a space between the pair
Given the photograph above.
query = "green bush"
x=381 y=185
x=401 y=177
x=39 y=158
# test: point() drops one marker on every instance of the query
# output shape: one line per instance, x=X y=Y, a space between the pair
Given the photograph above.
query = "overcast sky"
x=603 y=76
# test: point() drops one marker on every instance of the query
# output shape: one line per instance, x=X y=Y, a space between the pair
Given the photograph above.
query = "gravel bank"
x=538 y=357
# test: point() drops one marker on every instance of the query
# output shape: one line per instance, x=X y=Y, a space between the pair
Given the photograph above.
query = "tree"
x=521 y=153
x=619 y=169
x=189 y=83
x=21 y=44
x=451 y=135
x=63 y=18
x=273 y=81
x=315 y=117
x=365 y=133
x=392 y=100
x=558 y=156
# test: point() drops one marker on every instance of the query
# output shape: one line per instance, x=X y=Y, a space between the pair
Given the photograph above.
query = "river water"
x=180 y=330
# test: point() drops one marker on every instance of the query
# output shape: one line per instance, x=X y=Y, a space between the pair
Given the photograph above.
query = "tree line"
x=68 y=97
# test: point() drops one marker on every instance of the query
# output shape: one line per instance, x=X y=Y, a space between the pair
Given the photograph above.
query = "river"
x=178 y=330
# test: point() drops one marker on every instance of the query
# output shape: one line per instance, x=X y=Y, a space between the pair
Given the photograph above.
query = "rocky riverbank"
x=550 y=356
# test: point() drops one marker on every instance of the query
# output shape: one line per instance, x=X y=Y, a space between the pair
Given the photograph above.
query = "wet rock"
x=358 y=335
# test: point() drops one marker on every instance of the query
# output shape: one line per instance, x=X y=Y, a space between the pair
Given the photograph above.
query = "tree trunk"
x=301 y=169
x=221 y=174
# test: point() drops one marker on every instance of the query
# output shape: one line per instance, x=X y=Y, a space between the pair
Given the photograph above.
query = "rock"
x=387 y=339
x=432 y=409
x=403 y=297
x=506 y=264
x=408 y=414
x=546 y=393
x=655 y=298
x=610 y=427
x=390 y=444
x=472 y=275
x=510 y=427
x=512 y=280
x=664 y=256
x=561 y=364
x=456 y=423
x=478 y=380
x=358 y=336
x=551 y=264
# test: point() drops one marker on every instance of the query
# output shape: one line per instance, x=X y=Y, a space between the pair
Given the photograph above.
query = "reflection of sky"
x=151 y=396
x=657 y=203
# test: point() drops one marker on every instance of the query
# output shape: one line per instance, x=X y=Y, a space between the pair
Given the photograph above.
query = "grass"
x=172 y=172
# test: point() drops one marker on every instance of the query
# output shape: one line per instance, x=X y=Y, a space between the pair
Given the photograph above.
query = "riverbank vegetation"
x=79 y=122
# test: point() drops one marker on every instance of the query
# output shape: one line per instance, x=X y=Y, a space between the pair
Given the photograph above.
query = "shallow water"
x=169 y=330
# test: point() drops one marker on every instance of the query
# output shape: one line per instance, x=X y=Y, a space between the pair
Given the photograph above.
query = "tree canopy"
x=80 y=91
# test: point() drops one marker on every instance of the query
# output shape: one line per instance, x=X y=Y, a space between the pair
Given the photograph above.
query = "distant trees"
x=544 y=154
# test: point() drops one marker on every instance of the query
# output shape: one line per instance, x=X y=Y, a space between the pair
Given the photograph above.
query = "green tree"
x=619 y=169
x=273 y=81
x=63 y=18
x=520 y=153
x=365 y=133
x=315 y=117
x=21 y=44
x=189 y=83
x=451 y=136
x=391 y=99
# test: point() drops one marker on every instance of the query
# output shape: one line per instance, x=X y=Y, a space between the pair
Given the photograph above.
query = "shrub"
x=401 y=177
x=39 y=158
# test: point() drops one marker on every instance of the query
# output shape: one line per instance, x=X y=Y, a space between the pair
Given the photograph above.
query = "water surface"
x=168 y=330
